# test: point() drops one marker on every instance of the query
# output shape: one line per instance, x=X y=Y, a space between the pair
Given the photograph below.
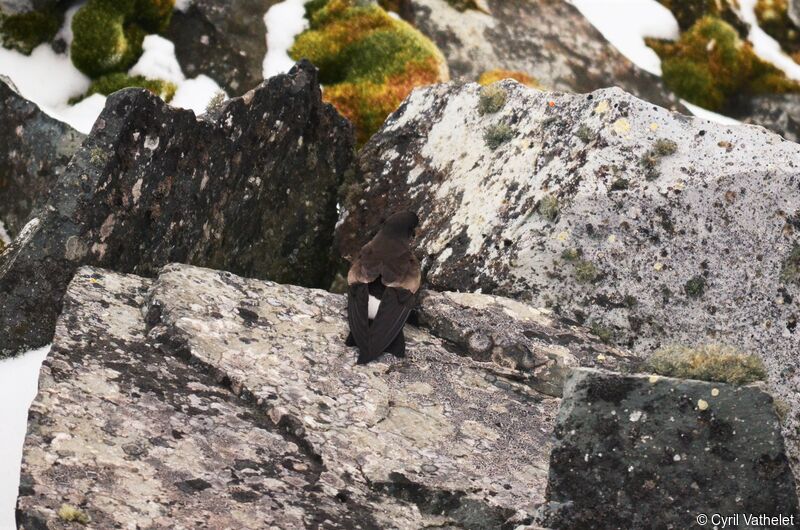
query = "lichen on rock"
x=498 y=74
x=709 y=362
x=25 y=30
x=368 y=60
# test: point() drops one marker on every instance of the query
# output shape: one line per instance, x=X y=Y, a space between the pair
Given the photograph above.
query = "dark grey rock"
x=779 y=113
x=34 y=150
x=794 y=11
x=225 y=40
x=651 y=452
x=646 y=226
x=549 y=40
x=518 y=336
x=253 y=192
x=203 y=396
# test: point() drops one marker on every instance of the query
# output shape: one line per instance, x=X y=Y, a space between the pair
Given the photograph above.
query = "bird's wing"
x=403 y=272
x=396 y=304
x=357 y=314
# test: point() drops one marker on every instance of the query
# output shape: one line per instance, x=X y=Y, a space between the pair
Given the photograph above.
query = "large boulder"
x=779 y=113
x=252 y=190
x=549 y=40
x=649 y=227
x=34 y=150
x=203 y=396
x=653 y=452
x=225 y=40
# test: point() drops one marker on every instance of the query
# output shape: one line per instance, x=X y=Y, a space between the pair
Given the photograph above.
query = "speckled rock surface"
x=779 y=113
x=252 y=191
x=34 y=149
x=515 y=335
x=202 y=396
x=225 y=40
x=650 y=452
x=547 y=39
x=649 y=227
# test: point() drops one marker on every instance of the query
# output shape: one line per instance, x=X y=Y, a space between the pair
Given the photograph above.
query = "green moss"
x=653 y=156
x=71 y=514
x=712 y=67
x=790 y=271
x=216 y=102
x=695 y=287
x=570 y=254
x=490 y=77
x=585 y=134
x=605 y=334
x=492 y=98
x=368 y=61
x=25 y=31
x=773 y=17
x=497 y=134
x=548 y=207
x=710 y=362
x=620 y=184
x=108 y=34
x=688 y=12
x=585 y=271
x=110 y=83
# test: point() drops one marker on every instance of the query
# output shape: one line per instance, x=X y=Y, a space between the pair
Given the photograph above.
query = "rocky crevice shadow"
x=251 y=189
x=431 y=440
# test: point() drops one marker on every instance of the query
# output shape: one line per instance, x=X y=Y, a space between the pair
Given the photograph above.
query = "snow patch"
x=183 y=5
x=284 y=21
x=625 y=24
x=158 y=60
x=19 y=379
x=765 y=46
x=4 y=237
x=705 y=114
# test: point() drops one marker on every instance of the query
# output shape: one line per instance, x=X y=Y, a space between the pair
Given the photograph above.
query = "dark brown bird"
x=382 y=286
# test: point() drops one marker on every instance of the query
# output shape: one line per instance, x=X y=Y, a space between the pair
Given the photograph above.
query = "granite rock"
x=251 y=190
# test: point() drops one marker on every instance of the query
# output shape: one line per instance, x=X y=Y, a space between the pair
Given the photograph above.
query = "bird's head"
x=401 y=224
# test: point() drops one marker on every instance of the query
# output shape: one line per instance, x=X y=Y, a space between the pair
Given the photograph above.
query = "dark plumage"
x=386 y=270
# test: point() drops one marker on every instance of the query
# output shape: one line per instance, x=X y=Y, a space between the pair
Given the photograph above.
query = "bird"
x=382 y=283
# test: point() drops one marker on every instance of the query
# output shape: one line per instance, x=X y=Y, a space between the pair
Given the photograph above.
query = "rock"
x=202 y=396
x=794 y=11
x=549 y=40
x=24 y=24
x=34 y=150
x=649 y=227
x=639 y=451
x=252 y=191
x=225 y=40
x=518 y=336
x=779 y=113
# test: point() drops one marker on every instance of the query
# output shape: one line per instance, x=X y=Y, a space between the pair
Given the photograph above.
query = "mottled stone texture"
x=202 y=397
x=533 y=341
x=649 y=452
x=34 y=150
x=225 y=40
x=253 y=191
x=547 y=39
x=646 y=226
x=779 y=113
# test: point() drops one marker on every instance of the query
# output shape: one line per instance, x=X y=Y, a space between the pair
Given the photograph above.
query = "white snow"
x=183 y=5
x=4 y=237
x=19 y=379
x=625 y=24
x=50 y=79
x=284 y=21
x=765 y=46
x=706 y=114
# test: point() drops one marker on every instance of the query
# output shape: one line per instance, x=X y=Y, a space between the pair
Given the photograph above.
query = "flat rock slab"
x=203 y=396
x=250 y=189
x=34 y=150
x=646 y=226
x=654 y=452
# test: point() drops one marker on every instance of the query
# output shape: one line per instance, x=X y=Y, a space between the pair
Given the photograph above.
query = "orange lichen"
x=492 y=76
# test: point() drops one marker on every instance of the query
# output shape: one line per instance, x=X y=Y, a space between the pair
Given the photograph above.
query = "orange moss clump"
x=368 y=61
x=492 y=76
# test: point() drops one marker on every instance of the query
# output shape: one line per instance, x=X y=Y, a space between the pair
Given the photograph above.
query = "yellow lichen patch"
x=702 y=404
x=602 y=107
x=711 y=66
x=715 y=392
x=711 y=362
x=493 y=76
x=621 y=126
x=71 y=514
x=368 y=61
x=653 y=378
